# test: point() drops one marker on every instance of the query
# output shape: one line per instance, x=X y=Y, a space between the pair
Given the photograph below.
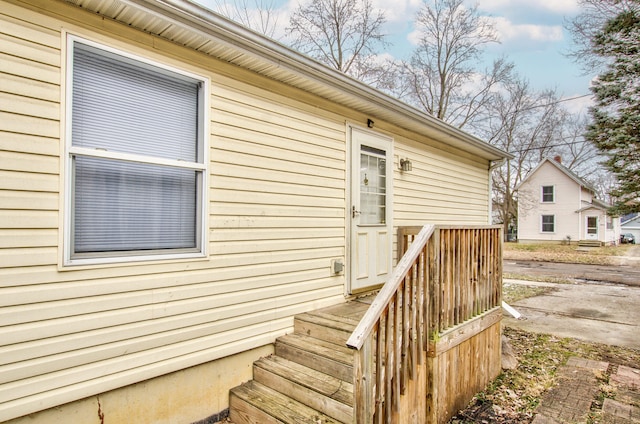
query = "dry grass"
x=538 y=278
x=564 y=253
x=512 y=293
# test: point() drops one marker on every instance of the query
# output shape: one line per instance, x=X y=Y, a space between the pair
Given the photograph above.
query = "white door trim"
x=387 y=142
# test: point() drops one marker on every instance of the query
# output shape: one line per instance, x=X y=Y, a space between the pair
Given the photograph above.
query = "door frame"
x=389 y=142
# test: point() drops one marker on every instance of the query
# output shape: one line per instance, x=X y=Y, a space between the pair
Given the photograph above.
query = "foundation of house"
x=188 y=396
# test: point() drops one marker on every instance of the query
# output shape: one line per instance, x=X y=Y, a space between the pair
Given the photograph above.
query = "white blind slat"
x=126 y=108
x=120 y=105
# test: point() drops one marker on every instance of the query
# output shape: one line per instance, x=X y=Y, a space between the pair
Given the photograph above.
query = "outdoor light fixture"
x=370 y=123
x=405 y=165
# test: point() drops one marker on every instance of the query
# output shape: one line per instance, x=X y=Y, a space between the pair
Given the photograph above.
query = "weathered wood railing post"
x=387 y=336
x=444 y=290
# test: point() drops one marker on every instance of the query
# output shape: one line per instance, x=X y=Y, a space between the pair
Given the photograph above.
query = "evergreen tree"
x=615 y=127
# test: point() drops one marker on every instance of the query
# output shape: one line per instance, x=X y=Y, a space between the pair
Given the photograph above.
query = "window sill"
x=99 y=263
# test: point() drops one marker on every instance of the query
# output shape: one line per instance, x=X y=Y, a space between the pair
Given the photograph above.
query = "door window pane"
x=592 y=225
x=373 y=186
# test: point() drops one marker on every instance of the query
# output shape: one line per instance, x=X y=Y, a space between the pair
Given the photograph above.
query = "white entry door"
x=370 y=211
x=592 y=228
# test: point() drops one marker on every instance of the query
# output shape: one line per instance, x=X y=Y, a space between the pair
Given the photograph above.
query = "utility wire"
x=568 y=99
x=555 y=102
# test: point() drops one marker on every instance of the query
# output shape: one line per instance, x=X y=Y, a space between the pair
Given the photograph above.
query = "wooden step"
x=320 y=355
x=325 y=326
x=351 y=311
x=325 y=393
x=254 y=403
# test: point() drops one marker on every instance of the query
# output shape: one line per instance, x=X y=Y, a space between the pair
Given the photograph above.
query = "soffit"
x=190 y=25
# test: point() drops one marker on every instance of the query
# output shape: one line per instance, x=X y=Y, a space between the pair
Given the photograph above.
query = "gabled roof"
x=595 y=204
x=193 y=26
x=582 y=183
x=630 y=218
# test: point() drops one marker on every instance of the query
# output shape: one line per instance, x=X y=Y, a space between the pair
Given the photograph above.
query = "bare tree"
x=604 y=183
x=442 y=74
x=343 y=34
x=577 y=153
x=526 y=124
x=258 y=15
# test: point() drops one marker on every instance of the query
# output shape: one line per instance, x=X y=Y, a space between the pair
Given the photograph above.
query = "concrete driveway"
x=627 y=273
x=607 y=314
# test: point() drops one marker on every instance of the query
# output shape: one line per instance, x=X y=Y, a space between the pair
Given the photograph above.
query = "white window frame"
x=69 y=259
x=553 y=193
x=542 y=224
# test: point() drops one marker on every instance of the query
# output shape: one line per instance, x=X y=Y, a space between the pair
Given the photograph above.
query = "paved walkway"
x=592 y=391
x=599 y=313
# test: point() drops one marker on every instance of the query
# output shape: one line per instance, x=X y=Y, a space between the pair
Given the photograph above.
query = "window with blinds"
x=135 y=158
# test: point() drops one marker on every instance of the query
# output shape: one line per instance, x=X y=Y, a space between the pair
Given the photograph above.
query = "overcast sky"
x=531 y=33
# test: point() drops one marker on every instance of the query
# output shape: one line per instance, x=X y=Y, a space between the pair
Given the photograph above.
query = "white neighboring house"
x=631 y=224
x=556 y=205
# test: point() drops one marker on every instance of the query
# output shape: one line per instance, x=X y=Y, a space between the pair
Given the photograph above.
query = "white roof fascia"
x=198 y=19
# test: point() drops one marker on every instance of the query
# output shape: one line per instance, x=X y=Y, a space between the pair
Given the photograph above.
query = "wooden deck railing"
x=446 y=275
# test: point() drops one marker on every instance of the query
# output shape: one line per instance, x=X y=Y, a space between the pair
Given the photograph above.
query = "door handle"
x=354 y=212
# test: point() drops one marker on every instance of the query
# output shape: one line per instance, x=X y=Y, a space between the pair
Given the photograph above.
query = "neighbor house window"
x=136 y=157
x=548 y=223
x=548 y=194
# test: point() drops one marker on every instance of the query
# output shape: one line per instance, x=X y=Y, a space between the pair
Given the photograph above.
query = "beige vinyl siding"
x=444 y=187
x=29 y=144
x=276 y=219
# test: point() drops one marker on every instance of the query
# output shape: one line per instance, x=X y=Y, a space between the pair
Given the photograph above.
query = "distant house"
x=556 y=205
x=631 y=224
x=174 y=188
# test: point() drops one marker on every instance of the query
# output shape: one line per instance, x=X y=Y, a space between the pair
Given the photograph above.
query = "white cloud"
x=508 y=31
x=398 y=11
x=559 y=6
x=414 y=37
x=564 y=7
